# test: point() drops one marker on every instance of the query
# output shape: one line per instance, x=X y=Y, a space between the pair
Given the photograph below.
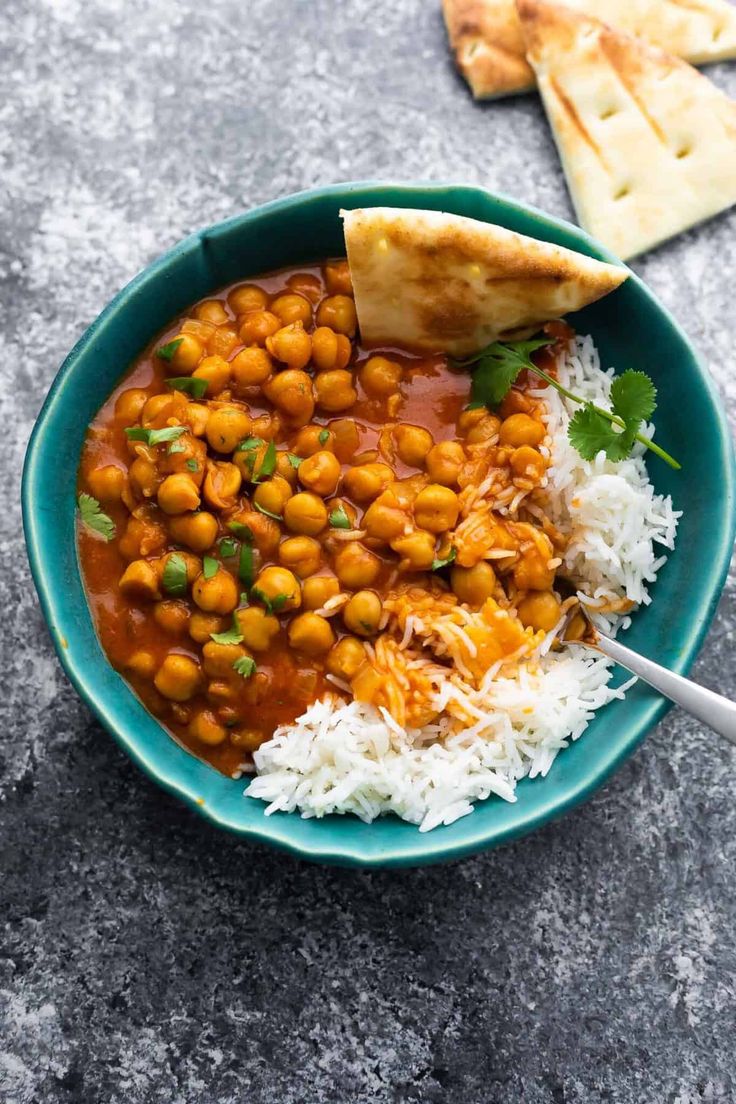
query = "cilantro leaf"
x=193 y=385
x=249 y=444
x=246 y=567
x=93 y=517
x=590 y=433
x=240 y=529
x=166 y=352
x=154 y=436
x=245 y=666
x=633 y=397
x=449 y=558
x=339 y=518
x=324 y=436
x=263 y=510
x=273 y=605
x=268 y=463
x=295 y=461
x=232 y=635
x=192 y=465
x=228 y=547
x=497 y=367
x=210 y=567
x=174 y=576
x=279 y=601
x=176 y=446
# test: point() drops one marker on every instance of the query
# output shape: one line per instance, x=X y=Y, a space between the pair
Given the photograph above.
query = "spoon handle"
x=712 y=709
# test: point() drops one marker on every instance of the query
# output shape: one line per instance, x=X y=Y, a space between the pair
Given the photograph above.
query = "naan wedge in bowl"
x=647 y=143
x=488 y=43
x=439 y=282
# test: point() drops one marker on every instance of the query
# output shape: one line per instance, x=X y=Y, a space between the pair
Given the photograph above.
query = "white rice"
x=351 y=758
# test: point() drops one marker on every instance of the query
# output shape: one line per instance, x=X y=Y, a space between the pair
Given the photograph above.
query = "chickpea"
x=531 y=571
x=305 y=513
x=142 y=663
x=272 y=495
x=334 y=390
x=144 y=477
x=211 y=310
x=520 y=429
x=291 y=345
x=142 y=537
x=267 y=426
x=330 y=350
x=318 y=590
x=160 y=409
x=362 y=614
x=338 y=312
x=202 y=625
x=286 y=469
x=346 y=439
x=320 y=473
x=139 y=580
x=277 y=584
x=197 y=531
x=178 y=494
x=380 y=376
x=227 y=427
x=346 y=658
x=307 y=440
x=292 y=307
x=257 y=326
x=245 y=298
x=221 y=484
x=302 y=555
x=405 y=491
x=198 y=328
x=257 y=628
x=311 y=634
x=265 y=532
x=576 y=628
x=129 y=404
x=291 y=392
x=444 y=462
x=250 y=367
x=436 y=508
x=178 y=677
x=412 y=444
x=186 y=356
x=473 y=585
x=218 y=659
x=172 y=616
x=468 y=419
x=218 y=594
x=193 y=564
x=540 y=611
x=338 y=278
x=108 y=483
x=527 y=463
x=417 y=550
x=197 y=416
x=384 y=521
x=304 y=283
x=367 y=481
x=355 y=566
x=205 y=727
x=216 y=371
x=485 y=429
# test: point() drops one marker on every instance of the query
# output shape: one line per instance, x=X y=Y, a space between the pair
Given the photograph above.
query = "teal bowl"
x=631 y=329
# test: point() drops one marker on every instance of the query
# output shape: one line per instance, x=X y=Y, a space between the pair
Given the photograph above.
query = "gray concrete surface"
x=145 y=957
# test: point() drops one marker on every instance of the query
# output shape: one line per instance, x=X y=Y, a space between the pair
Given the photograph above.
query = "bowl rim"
x=266 y=831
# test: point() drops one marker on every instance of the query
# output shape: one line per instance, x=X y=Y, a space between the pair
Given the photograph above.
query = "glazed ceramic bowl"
x=631 y=329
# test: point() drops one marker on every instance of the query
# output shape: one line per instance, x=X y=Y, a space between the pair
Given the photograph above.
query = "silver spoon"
x=712 y=709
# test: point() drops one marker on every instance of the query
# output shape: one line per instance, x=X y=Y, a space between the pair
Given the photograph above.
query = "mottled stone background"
x=145 y=956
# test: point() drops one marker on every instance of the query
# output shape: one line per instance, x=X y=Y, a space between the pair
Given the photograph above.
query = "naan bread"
x=647 y=143
x=488 y=44
x=442 y=283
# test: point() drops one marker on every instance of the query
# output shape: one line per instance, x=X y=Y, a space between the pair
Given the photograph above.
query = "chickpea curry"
x=269 y=511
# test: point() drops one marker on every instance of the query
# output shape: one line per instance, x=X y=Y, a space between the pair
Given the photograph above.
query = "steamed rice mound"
x=464 y=703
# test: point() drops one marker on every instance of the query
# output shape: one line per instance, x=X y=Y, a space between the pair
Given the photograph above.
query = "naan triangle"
x=648 y=144
x=437 y=282
x=488 y=44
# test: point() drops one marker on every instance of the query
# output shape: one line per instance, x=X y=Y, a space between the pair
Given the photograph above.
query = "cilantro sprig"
x=592 y=429
x=94 y=518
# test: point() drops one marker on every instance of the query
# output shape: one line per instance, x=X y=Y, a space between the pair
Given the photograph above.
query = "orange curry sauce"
x=432 y=395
